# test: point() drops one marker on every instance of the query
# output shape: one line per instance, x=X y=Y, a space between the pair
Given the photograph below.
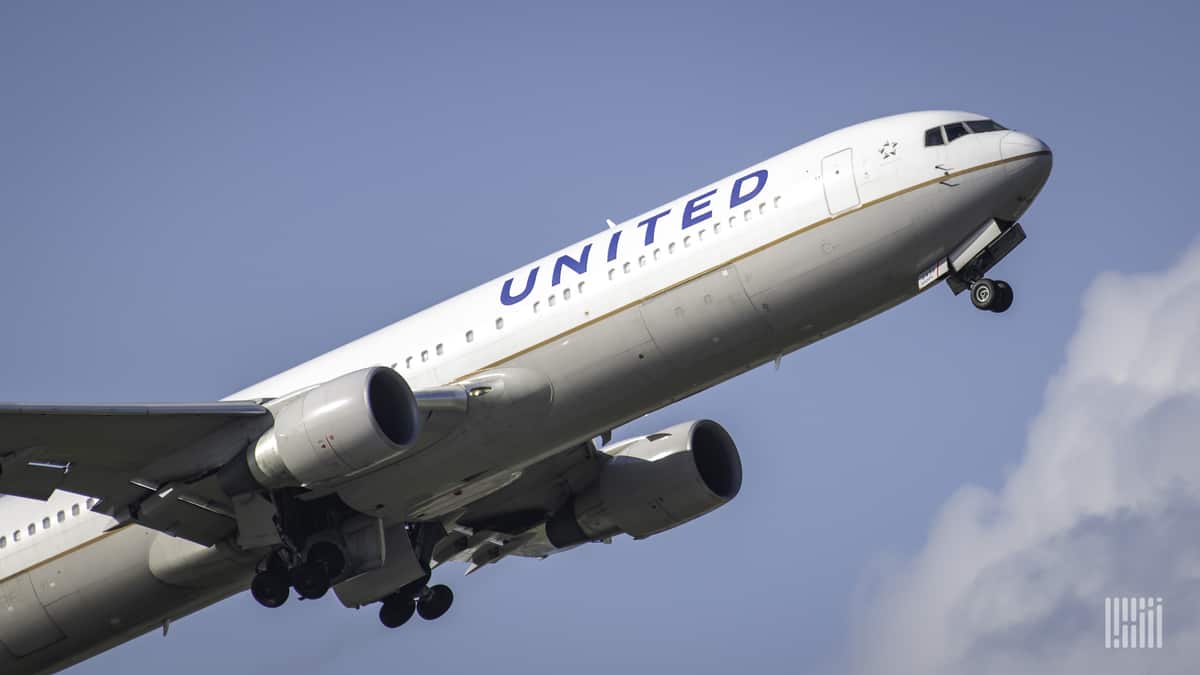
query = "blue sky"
x=195 y=197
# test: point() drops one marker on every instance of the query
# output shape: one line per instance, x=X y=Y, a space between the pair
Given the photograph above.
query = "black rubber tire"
x=436 y=602
x=310 y=580
x=1004 y=297
x=395 y=612
x=270 y=590
x=983 y=294
x=328 y=555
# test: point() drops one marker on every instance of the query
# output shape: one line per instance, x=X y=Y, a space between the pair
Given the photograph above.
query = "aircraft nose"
x=1016 y=143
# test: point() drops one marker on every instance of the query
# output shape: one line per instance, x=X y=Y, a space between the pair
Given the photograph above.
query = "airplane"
x=482 y=427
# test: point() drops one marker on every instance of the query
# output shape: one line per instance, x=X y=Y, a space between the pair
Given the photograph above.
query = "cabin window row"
x=32 y=528
x=440 y=348
x=552 y=299
x=688 y=240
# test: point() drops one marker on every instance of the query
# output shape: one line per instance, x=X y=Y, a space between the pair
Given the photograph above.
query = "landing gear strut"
x=993 y=296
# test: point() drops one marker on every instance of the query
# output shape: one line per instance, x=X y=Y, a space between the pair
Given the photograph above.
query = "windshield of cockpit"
x=948 y=133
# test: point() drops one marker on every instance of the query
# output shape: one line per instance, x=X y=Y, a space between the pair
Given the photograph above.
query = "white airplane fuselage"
x=663 y=305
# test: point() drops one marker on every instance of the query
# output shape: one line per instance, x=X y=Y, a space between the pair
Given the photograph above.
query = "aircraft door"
x=837 y=175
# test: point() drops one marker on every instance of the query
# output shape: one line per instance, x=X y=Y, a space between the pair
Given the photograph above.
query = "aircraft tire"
x=310 y=580
x=983 y=294
x=395 y=612
x=1004 y=297
x=269 y=589
x=435 y=602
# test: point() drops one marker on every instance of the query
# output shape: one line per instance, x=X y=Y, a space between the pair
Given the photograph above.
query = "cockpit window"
x=956 y=130
x=981 y=126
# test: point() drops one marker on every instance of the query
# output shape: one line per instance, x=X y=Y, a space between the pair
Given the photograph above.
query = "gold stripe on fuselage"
x=56 y=556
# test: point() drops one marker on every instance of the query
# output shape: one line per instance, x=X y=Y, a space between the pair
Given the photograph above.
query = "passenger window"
x=732 y=220
x=687 y=242
x=566 y=294
x=74 y=509
x=671 y=247
x=641 y=261
x=470 y=336
x=499 y=323
x=32 y=529
x=550 y=301
x=438 y=349
x=777 y=201
x=45 y=523
x=627 y=267
x=3 y=542
x=762 y=208
x=716 y=228
x=16 y=536
x=424 y=355
x=956 y=130
x=746 y=215
x=537 y=304
x=657 y=253
x=61 y=516
x=91 y=502
x=581 y=287
x=933 y=137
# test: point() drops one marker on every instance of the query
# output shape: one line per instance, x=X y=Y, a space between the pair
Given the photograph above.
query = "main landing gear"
x=311 y=578
x=992 y=296
x=430 y=603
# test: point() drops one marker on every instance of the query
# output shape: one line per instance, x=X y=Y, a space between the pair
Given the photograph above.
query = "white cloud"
x=1105 y=502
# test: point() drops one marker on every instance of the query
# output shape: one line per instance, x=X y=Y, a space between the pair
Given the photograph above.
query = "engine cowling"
x=344 y=425
x=653 y=483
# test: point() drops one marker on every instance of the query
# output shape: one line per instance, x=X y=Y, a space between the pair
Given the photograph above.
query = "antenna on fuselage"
x=611 y=224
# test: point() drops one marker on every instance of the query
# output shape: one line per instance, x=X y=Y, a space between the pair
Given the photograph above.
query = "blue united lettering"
x=695 y=211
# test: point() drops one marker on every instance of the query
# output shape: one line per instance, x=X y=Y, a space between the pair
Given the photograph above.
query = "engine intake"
x=344 y=425
x=653 y=483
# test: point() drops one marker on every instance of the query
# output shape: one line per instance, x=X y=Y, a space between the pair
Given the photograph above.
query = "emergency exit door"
x=837 y=175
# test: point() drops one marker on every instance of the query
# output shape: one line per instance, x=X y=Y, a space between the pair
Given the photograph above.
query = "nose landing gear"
x=992 y=296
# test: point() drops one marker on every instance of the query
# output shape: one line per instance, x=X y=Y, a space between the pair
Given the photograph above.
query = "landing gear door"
x=837 y=174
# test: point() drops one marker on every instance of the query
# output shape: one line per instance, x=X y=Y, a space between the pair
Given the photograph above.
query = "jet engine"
x=327 y=431
x=653 y=483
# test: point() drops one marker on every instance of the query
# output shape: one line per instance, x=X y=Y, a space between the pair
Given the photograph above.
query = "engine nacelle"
x=344 y=425
x=653 y=483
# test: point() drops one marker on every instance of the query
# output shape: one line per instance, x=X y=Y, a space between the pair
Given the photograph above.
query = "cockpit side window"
x=933 y=137
x=982 y=126
x=956 y=130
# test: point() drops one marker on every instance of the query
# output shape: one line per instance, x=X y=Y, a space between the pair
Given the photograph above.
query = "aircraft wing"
x=144 y=462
